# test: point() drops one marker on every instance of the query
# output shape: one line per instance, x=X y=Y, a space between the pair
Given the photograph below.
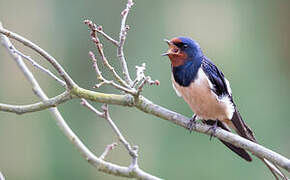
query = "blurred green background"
x=248 y=40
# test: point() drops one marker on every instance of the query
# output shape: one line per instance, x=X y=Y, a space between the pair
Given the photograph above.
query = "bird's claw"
x=213 y=129
x=192 y=124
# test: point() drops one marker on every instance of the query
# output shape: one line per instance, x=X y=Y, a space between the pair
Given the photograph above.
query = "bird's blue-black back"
x=216 y=77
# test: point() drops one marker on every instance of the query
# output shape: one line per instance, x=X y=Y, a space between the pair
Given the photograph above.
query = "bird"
x=207 y=91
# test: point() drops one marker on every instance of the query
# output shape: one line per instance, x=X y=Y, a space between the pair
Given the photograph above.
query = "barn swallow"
x=207 y=92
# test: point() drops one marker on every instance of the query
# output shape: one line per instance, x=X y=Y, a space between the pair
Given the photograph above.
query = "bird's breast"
x=203 y=101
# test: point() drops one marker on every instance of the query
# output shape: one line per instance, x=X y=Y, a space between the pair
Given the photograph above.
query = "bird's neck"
x=186 y=73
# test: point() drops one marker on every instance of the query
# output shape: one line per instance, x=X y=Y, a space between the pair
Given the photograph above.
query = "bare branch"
x=109 y=148
x=145 y=81
x=133 y=151
x=133 y=98
x=107 y=116
x=90 y=157
x=22 y=109
x=1 y=176
x=36 y=88
x=140 y=77
x=122 y=38
x=149 y=107
x=96 y=67
x=38 y=66
x=124 y=100
x=91 y=108
x=99 y=46
x=140 y=72
x=104 y=81
x=70 y=83
x=99 y=29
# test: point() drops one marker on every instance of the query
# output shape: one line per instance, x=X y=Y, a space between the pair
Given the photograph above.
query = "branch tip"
x=108 y=148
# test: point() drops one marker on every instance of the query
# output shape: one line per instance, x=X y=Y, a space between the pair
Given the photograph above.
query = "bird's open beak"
x=172 y=48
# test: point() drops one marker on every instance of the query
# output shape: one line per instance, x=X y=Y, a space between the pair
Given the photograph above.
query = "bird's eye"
x=182 y=45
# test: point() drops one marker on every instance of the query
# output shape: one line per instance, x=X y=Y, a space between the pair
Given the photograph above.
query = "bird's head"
x=181 y=50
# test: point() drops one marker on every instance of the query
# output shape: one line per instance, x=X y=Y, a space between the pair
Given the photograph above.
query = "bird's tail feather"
x=241 y=127
x=239 y=151
x=243 y=130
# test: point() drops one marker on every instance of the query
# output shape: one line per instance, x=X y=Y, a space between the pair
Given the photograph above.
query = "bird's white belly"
x=203 y=102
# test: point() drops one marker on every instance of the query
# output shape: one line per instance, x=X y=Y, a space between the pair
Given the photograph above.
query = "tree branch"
x=99 y=29
x=43 y=53
x=132 y=98
x=22 y=109
x=149 y=107
x=109 y=148
x=38 y=66
x=132 y=150
x=105 y=81
x=99 y=46
x=100 y=164
x=1 y=176
x=122 y=38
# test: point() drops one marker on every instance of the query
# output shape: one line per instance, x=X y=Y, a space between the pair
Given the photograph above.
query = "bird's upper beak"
x=173 y=49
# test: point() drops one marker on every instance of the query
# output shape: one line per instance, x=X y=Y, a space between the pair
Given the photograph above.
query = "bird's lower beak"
x=172 y=48
x=165 y=54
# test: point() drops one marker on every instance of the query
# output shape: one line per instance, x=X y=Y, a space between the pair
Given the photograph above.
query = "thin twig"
x=22 y=109
x=99 y=46
x=105 y=114
x=2 y=176
x=109 y=148
x=140 y=73
x=100 y=164
x=123 y=32
x=70 y=83
x=146 y=80
x=99 y=29
x=105 y=81
x=142 y=104
x=117 y=86
x=140 y=77
x=149 y=107
x=96 y=67
x=131 y=150
x=38 y=66
x=91 y=108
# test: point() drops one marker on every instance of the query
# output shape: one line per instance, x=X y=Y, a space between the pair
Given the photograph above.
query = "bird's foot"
x=192 y=123
x=213 y=129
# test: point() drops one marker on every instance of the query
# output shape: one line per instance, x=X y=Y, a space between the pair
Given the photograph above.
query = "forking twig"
x=70 y=83
x=38 y=66
x=122 y=38
x=103 y=80
x=146 y=106
x=109 y=148
x=99 y=46
x=99 y=29
x=99 y=163
x=1 y=176
x=105 y=114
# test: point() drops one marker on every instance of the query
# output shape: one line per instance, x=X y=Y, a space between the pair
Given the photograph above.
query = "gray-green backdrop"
x=248 y=40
